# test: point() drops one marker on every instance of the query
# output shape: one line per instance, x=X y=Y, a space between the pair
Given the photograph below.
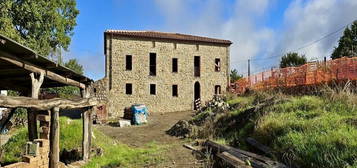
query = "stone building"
x=165 y=71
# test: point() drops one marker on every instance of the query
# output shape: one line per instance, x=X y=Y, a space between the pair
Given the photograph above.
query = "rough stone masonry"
x=165 y=71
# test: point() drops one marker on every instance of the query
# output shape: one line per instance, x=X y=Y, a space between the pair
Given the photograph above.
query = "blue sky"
x=259 y=29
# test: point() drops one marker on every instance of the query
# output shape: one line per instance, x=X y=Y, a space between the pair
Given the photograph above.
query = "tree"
x=234 y=75
x=292 y=60
x=68 y=91
x=74 y=66
x=347 y=45
x=43 y=25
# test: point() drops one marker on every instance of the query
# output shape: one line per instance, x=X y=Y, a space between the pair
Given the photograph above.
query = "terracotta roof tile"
x=168 y=36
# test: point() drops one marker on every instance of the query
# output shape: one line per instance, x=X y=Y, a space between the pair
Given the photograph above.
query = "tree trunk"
x=31 y=114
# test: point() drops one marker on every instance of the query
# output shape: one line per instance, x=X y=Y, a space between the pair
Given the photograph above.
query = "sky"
x=261 y=30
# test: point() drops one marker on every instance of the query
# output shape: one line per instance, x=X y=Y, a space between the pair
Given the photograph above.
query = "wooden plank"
x=49 y=74
x=48 y=104
x=266 y=150
x=54 y=138
x=256 y=160
x=232 y=160
x=194 y=149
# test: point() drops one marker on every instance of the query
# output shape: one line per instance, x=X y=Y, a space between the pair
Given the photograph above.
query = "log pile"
x=240 y=158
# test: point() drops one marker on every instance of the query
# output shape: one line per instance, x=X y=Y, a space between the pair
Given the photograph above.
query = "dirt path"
x=154 y=131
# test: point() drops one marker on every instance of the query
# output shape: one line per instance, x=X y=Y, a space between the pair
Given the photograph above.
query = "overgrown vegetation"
x=302 y=131
x=115 y=154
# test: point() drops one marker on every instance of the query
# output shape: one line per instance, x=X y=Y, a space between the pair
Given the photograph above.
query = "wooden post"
x=87 y=133
x=31 y=114
x=90 y=129
x=54 y=138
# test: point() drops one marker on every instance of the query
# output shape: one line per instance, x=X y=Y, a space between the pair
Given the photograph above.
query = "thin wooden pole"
x=54 y=138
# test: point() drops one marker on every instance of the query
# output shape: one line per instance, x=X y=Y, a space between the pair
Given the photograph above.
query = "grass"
x=12 y=151
x=311 y=132
x=120 y=155
x=305 y=131
x=115 y=154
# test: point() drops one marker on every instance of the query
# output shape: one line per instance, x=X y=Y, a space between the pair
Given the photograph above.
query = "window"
x=174 y=91
x=197 y=66
x=217 y=65
x=152 y=89
x=217 y=89
x=129 y=63
x=152 y=64
x=174 y=65
x=129 y=88
x=197 y=47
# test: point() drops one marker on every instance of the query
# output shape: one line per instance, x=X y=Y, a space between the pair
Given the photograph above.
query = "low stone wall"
x=41 y=160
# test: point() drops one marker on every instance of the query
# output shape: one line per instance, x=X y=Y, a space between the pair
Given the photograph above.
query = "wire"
x=302 y=47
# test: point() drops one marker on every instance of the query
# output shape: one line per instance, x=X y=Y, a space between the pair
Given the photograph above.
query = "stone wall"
x=100 y=91
x=38 y=161
x=163 y=101
x=37 y=157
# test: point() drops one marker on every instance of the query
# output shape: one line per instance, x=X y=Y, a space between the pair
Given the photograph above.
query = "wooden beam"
x=254 y=143
x=49 y=74
x=255 y=160
x=54 y=138
x=232 y=160
x=48 y=104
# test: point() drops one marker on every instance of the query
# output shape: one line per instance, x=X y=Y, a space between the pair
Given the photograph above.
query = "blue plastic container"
x=140 y=114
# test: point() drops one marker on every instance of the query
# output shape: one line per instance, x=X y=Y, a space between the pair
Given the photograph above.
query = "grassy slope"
x=71 y=136
x=308 y=131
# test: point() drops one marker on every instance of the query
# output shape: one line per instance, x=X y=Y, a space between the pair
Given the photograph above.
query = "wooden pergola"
x=23 y=70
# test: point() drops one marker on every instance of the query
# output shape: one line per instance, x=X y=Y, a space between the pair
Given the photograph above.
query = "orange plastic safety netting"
x=315 y=73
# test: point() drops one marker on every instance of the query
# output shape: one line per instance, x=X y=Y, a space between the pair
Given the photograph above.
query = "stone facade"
x=118 y=47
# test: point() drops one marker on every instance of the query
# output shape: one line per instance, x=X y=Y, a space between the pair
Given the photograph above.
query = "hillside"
x=302 y=131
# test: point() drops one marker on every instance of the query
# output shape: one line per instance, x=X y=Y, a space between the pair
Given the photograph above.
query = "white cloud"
x=303 y=22
x=207 y=19
x=306 y=21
